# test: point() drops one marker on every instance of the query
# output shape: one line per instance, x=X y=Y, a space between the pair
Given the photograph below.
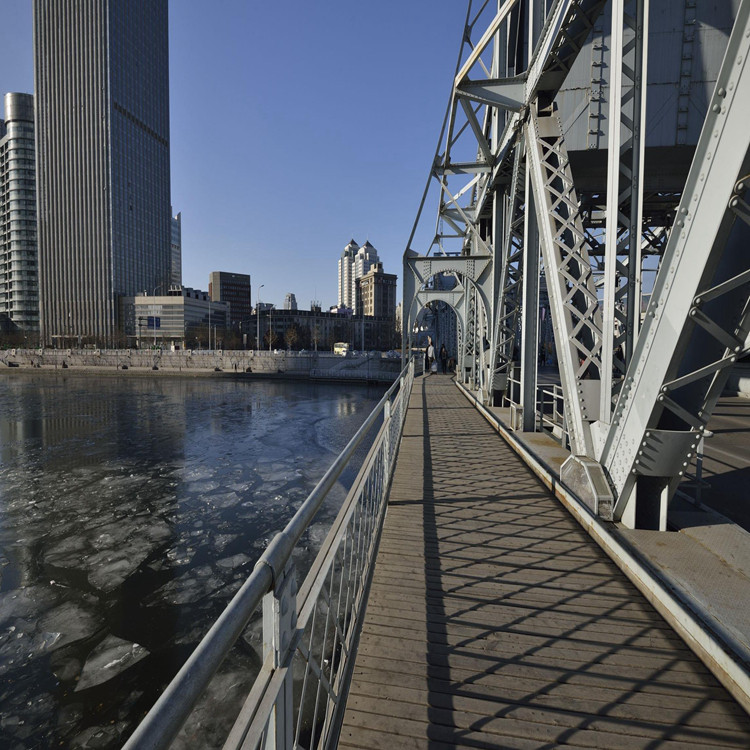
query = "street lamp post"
x=257 y=319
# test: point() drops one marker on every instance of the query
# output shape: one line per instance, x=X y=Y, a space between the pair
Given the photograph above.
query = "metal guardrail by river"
x=316 y=627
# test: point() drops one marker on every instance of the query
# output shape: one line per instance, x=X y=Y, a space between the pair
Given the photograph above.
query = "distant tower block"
x=234 y=289
x=19 y=292
x=290 y=301
x=175 y=272
x=346 y=275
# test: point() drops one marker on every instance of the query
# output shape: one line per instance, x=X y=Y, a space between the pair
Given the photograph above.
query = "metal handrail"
x=557 y=420
x=163 y=722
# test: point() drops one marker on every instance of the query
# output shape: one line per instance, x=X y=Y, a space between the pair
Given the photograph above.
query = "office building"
x=234 y=289
x=376 y=303
x=290 y=301
x=19 y=298
x=102 y=123
x=175 y=260
x=376 y=293
x=181 y=318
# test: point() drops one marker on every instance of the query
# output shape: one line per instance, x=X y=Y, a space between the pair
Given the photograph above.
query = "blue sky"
x=295 y=126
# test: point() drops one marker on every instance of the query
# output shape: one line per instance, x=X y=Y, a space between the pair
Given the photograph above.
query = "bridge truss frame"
x=638 y=389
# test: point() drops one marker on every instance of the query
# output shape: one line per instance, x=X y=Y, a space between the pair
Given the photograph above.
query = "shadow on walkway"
x=494 y=621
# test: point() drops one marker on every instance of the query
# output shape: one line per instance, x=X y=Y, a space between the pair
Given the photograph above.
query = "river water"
x=131 y=510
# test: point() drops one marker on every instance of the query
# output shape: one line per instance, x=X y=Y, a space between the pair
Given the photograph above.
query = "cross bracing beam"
x=504 y=93
x=698 y=319
x=454 y=298
x=574 y=305
x=470 y=267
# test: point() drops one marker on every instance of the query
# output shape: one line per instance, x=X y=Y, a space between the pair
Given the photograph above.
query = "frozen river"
x=131 y=510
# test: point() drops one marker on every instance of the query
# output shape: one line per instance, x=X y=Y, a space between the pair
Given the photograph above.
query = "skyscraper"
x=346 y=275
x=102 y=84
x=175 y=269
x=354 y=263
x=234 y=289
x=364 y=260
x=19 y=299
x=290 y=301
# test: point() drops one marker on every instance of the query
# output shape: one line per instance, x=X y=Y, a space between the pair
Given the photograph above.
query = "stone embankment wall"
x=313 y=365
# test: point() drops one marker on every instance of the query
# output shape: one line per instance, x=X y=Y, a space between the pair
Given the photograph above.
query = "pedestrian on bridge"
x=444 y=358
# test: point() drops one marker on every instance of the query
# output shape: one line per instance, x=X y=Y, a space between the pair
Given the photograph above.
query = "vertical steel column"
x=408 y=311
x=511 y=273
x=627 y=122
x=530 y=312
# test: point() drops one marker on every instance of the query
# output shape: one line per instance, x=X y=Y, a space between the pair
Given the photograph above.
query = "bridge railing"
x=299 y=696
x=549 y=408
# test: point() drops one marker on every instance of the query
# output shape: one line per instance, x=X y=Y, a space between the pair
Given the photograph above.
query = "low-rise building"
x=318 y=330
x=184 y=318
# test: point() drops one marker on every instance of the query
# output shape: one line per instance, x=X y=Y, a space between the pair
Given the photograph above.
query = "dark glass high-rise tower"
x=102 y=123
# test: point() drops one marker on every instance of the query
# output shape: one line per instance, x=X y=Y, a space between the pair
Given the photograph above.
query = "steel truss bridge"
x=556 y=174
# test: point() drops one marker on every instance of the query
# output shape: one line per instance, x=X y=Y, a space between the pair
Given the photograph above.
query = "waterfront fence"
x=315 y=630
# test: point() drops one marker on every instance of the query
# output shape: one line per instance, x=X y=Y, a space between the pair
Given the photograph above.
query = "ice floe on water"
x=128 y=520
x=111 y=657
x=36 y=620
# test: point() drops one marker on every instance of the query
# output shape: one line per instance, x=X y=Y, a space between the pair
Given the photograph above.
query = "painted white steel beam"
x=574 y=306
x=504 y=93
x=626 y=149
x=511 y=275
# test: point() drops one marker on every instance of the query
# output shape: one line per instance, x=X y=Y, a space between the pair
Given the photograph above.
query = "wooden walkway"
x=495 y=622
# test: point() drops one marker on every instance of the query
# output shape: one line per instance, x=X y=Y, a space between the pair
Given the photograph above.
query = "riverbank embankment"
x=205 y=363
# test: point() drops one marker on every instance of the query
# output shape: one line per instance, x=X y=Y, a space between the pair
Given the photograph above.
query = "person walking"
x=430 y=354
x=443 y=358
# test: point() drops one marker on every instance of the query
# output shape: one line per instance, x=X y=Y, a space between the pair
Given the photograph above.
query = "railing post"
x=387 y=437
x=279 y=623
x=541 y=410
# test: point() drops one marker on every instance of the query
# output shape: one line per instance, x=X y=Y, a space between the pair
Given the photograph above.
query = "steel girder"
x=574 y=306
x=698 y=320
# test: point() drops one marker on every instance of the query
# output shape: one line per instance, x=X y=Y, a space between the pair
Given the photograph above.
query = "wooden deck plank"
x=494 y=621
x=548 y=678
x=616 y=718
x=639 y=705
